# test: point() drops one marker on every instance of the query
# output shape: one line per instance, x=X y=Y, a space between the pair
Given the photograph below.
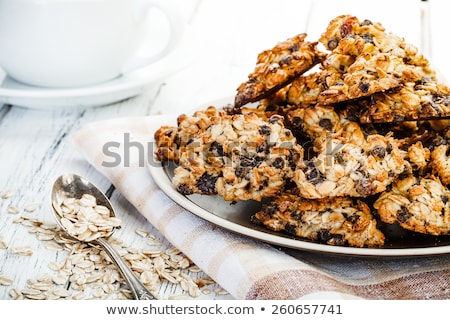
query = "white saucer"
x=18 y=94
x=129 y=85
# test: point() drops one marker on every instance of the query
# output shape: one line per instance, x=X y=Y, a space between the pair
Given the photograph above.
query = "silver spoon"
x=73 y=186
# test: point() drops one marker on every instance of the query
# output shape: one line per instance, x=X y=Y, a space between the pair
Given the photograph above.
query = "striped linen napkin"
x=247 y=268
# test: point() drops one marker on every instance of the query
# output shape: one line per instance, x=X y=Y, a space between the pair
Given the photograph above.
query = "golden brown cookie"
x=276 y=67
x=239 y=157
x=334 y=221
x=419 y=204
x=413 y=101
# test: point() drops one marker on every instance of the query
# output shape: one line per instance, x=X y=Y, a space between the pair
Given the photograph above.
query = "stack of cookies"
x=334 y=142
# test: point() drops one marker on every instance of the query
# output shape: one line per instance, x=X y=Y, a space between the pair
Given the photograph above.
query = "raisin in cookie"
x=419 y=204
x=334 y=221
x=276 y=67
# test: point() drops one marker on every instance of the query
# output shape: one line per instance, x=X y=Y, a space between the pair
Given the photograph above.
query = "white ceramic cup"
x=75 y=43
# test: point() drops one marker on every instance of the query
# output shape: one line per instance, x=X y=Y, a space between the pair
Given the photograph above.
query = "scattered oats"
x=152 y=253
x=77 y=270
x=86 y=220
x=220 y=291
x=63 y=293
x=27 y=222
x=82 y=280
x=28 y=292
x=49 y=226
x=6 y=194
x=173 y=251
x=30 y=207
x=184 y=284
x=169 y=277
x=15 y=294
x=94 y=277
x=194 y=268
x=131 y=256
x=171 y=264
x=141 y=265
x=206 y=291
x=149 y=278
x=44 y=231
x=108 y=288
x=45 y=277
x=3 y=244
x=55 y=266
x=46 y=237
x=179 y=297
x=159 y=264
x=86 y=264
x=22 y=251
x=143 y=233
x=51 y=296
x=98 y=293
x=42 y=286
x=79 y=296
x=87 y=272
x=13 y=209
x=52 y=245
x=126 y=293
x=77 y=287
x=95 y=257
x=59 y=278
x=204 y=282
x=33 y=229
x=194 y=291
x=39 y=296
x=87 y=200
x=115 y=241
x=5 y=281
x=154 y=242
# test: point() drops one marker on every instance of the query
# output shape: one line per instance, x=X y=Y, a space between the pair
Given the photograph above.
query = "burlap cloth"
x=247 y=268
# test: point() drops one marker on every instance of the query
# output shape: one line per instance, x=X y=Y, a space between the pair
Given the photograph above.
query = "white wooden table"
x=34 y=147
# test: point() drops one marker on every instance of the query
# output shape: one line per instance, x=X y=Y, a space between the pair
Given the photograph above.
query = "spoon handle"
x=139 y=291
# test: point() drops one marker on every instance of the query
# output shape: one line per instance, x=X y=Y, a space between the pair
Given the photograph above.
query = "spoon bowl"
x=70 y=187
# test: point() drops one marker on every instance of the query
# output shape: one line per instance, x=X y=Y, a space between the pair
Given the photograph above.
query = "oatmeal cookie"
x=440 y=162
x=349 y=169
x=419 y=204
x=239 y=157
x=413 y=101
x=348 y=35
x=276 y=67
x=169 y=139
x=333 y=221
x=365 y=59
x=365 y=77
